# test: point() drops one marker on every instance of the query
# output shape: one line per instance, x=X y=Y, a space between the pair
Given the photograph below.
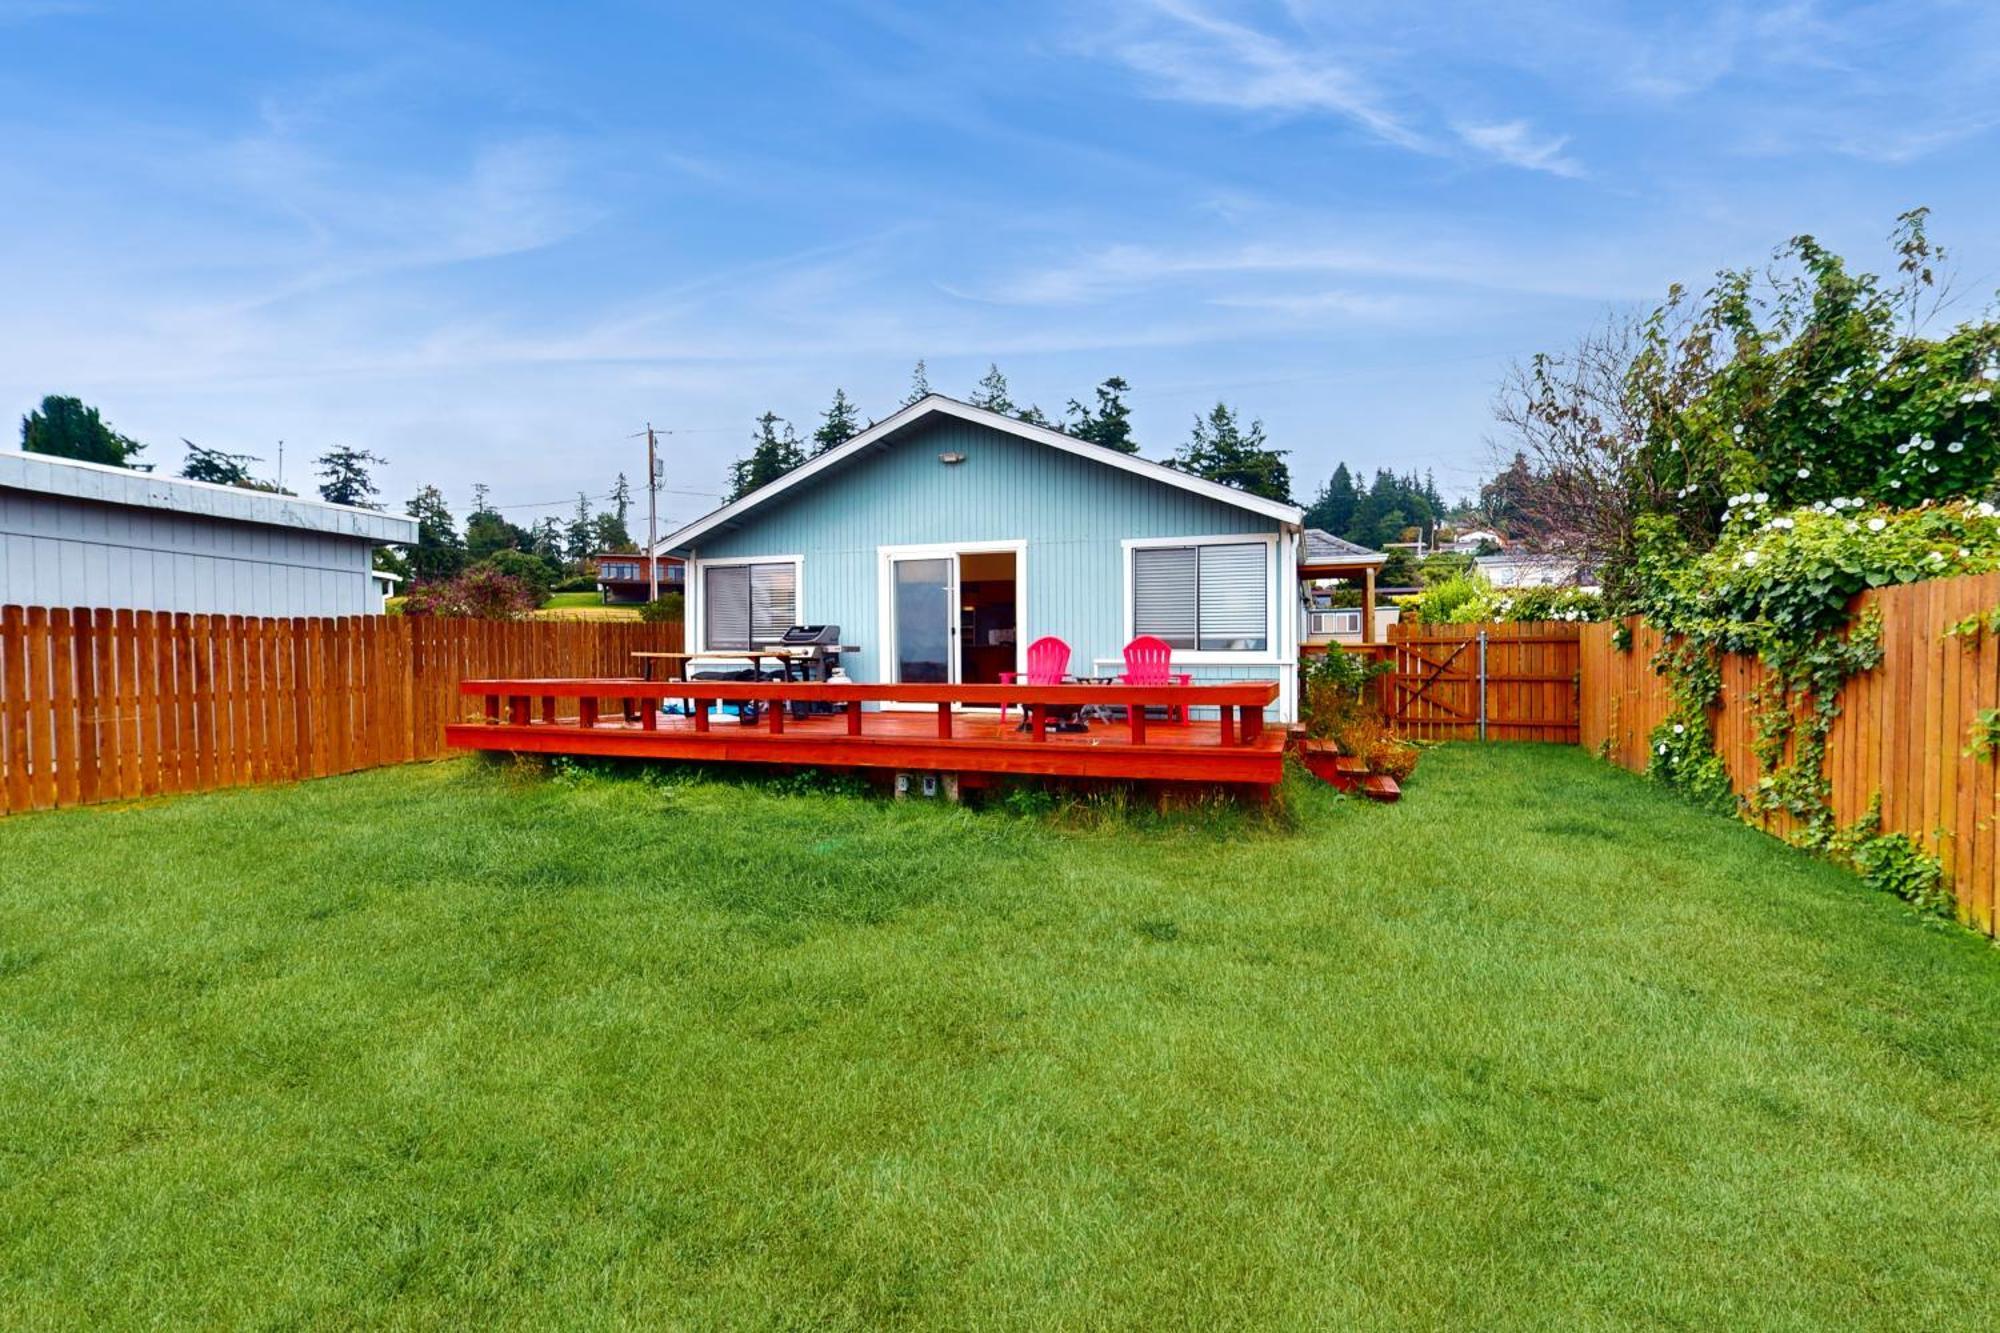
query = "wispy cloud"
x=1195 y=56
x=1516 y=143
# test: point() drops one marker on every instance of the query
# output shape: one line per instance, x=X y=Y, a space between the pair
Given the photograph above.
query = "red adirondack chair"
x=1048 y=663
x=1149 y=661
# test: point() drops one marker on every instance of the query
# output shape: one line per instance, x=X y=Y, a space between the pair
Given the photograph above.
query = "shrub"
x=534 y=572
x=1333 y=687
x=666 y=609
x=1467 y=599
x=480 y=593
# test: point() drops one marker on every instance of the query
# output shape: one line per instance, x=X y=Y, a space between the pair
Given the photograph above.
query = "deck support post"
x=1228 y=721
x=549 y=709
x=586 y=712
x=1253 y=724
x=1038 y=721
x=700 y=713
x=517 y=710
x=1137 y=713
x=649 y=715
x=492 y=710
x=776 y=711
x=944 y=722
x=853 y=717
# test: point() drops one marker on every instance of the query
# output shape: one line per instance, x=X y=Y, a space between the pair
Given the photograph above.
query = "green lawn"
x=455 y=1045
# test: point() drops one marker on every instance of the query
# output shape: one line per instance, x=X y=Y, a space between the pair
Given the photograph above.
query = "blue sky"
x=490 y=241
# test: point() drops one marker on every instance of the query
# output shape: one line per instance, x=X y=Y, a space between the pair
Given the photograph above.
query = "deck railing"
x=519 y=703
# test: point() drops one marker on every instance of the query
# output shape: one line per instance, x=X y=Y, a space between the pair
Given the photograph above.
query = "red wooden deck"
x=619 y=718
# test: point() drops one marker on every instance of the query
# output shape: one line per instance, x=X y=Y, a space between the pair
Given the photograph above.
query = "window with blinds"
x=1214 y=599
x=745 y=605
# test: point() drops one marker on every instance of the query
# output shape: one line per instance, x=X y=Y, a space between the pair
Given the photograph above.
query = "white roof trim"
x=46 y=474
x=939 y=404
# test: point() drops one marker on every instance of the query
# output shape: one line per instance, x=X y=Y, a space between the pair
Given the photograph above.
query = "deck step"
x=1382 y=788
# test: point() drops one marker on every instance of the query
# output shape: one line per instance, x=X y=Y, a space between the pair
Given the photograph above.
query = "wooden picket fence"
x=1902 y=732
x=1513 y=682
x=100 y=705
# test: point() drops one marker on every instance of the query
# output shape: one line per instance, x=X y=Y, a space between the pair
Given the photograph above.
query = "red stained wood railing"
x=1239 y=704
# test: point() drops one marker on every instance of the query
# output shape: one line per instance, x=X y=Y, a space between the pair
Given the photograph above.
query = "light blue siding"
x=1074 y=513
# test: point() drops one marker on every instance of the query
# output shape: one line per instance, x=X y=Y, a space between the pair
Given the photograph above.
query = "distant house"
x=946 y=538
x=83 y=534
x=1523 y=570
x=1472 y=541
x=627 y=578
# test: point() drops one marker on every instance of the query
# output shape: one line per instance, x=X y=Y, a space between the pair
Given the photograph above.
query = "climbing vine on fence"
x=1779 y=585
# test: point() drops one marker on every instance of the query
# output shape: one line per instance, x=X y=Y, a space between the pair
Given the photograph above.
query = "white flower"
x=1930 y=467
x=1877 y=524
x=1868 y=395
x=1762 y=498
x=1955 y=447
x=1986 y=510
x=1964 y=552
x=1895 y=485
x=1739 y=429
x=1928 y=445
x=1937 y=556
x=1804 y=472
x=1749 y=557
x=1990 y=373
x=1983 y=396
x=1674 y=448
x=1786 y=523
x=1965 y=398
x=1678 y=728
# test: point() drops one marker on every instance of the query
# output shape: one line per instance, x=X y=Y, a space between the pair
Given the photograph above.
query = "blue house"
x=946 y=538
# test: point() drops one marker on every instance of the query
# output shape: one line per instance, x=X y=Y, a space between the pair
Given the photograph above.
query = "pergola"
x=1325 y=556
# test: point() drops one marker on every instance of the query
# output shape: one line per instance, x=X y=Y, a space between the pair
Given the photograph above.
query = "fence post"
x=1482 y=684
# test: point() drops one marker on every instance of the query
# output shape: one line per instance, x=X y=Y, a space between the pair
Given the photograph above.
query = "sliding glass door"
x=926 y=619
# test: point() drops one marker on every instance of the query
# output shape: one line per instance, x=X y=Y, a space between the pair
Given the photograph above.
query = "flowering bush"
x=480 y=593
x=1466 y=599
x=1780 y=574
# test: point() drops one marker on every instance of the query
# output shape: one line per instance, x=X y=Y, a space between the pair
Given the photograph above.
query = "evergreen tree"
x=773 y=453
x=1034 y=416
x=1332 y=510
x=438 y=554
x=346 y=477
x=546 y=540
x=991 y=393
x=487 y=531
x=1111 y=423
x=1220 y=450
x=213 y=465
x=612 y=534
x=920 y=384
x=580 y=537
x=621 y=501
x=841 y=423
x=65 y=428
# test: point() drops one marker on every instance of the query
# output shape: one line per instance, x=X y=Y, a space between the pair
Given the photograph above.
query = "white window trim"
x=885 y=595
x=695 y=615
x=1277 y=650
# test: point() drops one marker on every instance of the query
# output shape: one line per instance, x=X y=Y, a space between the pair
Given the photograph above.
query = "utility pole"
x=652 y=515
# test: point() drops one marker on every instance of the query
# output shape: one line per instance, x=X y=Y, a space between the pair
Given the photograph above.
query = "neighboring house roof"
x=936 y=405
x=102 y=484
x=1323 y=548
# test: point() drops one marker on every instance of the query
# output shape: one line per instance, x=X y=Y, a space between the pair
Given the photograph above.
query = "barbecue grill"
x=810 y=652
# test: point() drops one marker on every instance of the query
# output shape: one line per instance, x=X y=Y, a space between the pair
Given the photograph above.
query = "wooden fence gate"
x=1483 y=682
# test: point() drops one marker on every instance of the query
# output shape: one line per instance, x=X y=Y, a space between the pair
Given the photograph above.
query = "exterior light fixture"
x=949 y=459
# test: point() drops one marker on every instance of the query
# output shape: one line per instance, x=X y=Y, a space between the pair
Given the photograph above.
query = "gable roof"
x=1323 y=548
x=935 y=405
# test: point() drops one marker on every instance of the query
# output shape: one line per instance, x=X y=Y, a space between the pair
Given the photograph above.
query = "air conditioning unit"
x=1329 y=624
